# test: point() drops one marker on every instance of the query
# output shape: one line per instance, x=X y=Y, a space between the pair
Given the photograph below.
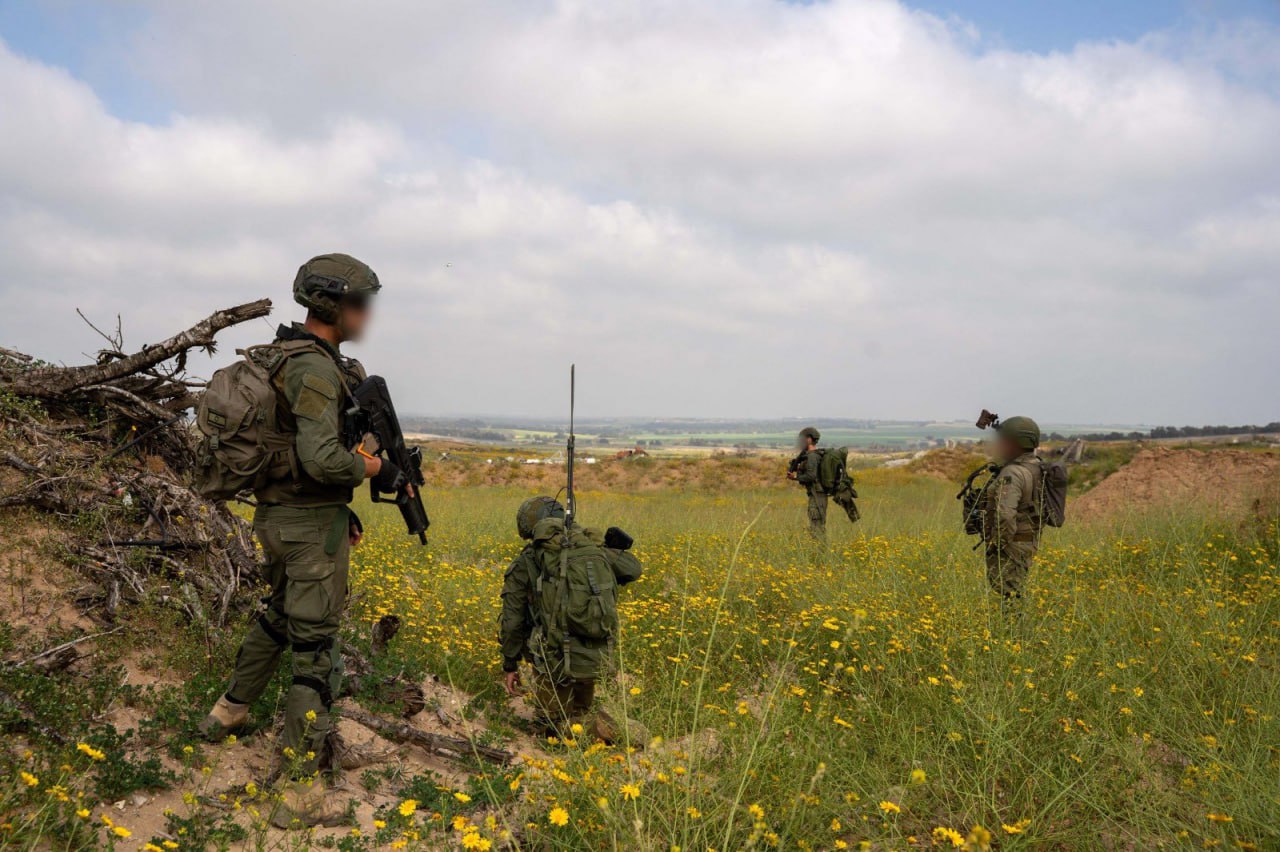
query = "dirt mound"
x=952 y=464
x=1225 y=480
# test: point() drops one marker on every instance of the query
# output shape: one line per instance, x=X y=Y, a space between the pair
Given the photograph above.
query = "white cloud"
x=714 y=208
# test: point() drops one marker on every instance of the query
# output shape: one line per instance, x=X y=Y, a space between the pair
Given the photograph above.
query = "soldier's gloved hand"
x=390 y=479
x=616 y=539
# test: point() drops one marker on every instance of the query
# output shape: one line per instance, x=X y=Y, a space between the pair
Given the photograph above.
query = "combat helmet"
x=328 y=278
x=1023 y=431
x=808 y=432
x=533 y=510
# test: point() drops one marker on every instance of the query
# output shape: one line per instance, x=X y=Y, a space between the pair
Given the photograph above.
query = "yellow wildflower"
x=942 y=835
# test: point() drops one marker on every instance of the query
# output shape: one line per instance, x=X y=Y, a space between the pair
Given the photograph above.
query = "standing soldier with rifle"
x=302 y=485
x=804 y=469
x=559 y=612
x=1022 y=495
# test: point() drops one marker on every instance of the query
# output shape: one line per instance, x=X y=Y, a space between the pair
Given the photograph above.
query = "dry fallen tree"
x=109 y=445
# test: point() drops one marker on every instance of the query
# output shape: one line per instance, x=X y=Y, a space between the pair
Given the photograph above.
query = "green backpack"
x=576 y=601
x=241 y=446
x=833 y=468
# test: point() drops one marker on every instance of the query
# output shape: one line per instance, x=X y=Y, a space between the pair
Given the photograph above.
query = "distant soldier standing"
x=1012 y=510
x=559 y=612
x=303 y=521
x=805 y=469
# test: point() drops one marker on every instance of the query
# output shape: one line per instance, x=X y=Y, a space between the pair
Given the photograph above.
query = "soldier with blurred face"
x=805 y=469
x=1011 y=517
x=307 y=529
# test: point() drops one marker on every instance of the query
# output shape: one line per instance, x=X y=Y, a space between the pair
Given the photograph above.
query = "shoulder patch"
x=320 y=384
x=316 y=396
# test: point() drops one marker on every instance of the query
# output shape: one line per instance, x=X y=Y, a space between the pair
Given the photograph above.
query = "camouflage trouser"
x=818 y=515
x=307 y=554
x=1008 y=566
x=559 y=706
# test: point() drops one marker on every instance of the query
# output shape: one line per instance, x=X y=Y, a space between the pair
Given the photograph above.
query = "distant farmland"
x=676 y=434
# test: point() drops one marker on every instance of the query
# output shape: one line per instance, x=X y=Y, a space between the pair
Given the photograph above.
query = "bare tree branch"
x=54 y=382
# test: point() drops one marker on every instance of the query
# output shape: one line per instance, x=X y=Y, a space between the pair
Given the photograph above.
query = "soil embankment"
x=1229 y=481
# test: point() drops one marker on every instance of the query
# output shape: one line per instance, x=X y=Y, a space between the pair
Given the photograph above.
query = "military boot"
x=309 y=804
x=225 y=718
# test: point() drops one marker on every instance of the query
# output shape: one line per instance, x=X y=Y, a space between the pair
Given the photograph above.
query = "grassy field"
x=867 y=697
x=874 y=696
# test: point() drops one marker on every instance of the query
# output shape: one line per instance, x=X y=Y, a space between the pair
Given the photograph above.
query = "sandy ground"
x=1225 y=481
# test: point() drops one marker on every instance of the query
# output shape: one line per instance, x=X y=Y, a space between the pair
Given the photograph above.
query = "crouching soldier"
x=559 y=612
x=1012 y=517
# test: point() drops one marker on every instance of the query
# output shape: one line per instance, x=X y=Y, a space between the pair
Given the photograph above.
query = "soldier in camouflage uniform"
x=1011 y=518
x=805 y=471
x=303 y=521
x=558 y=701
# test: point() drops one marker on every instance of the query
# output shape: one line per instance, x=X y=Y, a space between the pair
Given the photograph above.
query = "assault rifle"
x=373 y=413
x=970 y=495
x=793 y=466
x=971 y=498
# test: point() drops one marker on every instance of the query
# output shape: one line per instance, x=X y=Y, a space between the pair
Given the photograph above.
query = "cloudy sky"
x=733 y=208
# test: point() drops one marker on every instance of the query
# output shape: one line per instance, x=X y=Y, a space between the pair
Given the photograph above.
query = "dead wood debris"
x=109 y=446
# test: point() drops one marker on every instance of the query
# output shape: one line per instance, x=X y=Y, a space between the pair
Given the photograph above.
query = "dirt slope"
x=952 y=464
x=1225 y=480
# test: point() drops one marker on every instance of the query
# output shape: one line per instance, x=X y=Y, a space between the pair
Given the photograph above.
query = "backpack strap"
x=1036 y=467
x=563 y=608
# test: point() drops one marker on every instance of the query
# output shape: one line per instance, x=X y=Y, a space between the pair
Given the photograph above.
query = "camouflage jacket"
x=1009 y=511
x=313 y=389
x=520 y=608
x=807 y=475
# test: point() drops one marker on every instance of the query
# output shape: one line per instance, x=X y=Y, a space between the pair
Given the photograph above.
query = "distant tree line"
x=1272 y=428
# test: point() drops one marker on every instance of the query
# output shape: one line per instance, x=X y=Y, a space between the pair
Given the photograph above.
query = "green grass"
x=870 y=694
x=1135 y=698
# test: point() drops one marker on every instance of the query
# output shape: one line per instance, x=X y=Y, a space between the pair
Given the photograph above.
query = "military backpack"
x=241 y=443
x=575 y=601
x=1052 y=499
x=833 y=468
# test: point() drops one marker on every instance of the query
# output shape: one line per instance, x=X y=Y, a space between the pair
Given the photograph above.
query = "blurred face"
x=1006 y=449
x=354 y=316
